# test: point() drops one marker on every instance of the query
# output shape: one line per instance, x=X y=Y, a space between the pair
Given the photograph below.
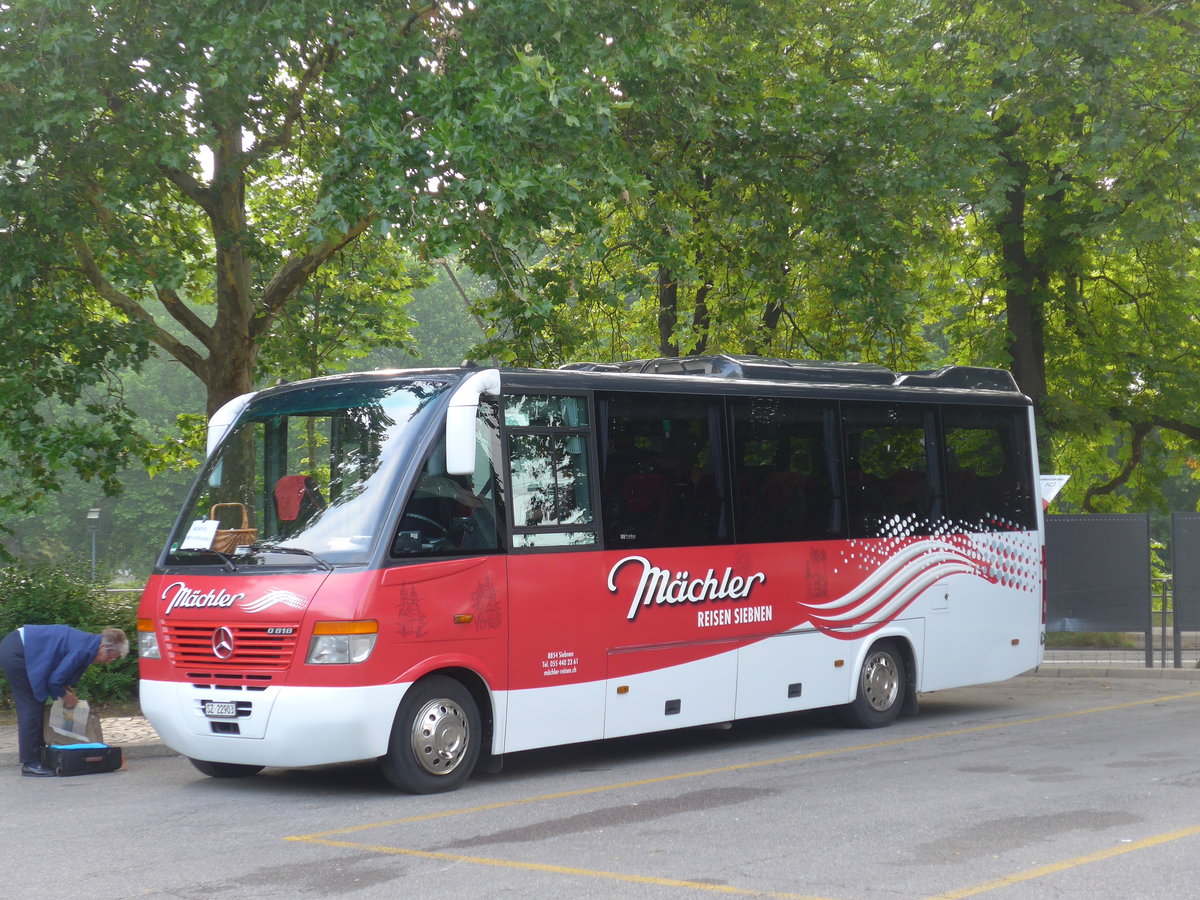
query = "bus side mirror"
x=460 y=420
x=222 y=420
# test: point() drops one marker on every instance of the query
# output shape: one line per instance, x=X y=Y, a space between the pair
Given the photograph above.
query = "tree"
x=164 y=158
x=901 y=181
x=355 y=304
x=133 y=525
x=447 y=327
x=783 y=175
x=1077 y=229
x=1003 y=183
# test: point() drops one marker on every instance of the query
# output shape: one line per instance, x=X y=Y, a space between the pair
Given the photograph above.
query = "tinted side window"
x=663 y=477
x=890 y=467
x=785 y=473
x=989 y=480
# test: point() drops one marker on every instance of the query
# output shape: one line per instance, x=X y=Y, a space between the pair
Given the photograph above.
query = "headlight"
x=147 y=640
x=342 y=643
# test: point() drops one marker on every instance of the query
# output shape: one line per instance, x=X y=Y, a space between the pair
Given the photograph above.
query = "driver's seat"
x=297 y=500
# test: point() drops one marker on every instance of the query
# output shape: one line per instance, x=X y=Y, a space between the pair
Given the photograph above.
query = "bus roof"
x=728 y=374
x=762 y=368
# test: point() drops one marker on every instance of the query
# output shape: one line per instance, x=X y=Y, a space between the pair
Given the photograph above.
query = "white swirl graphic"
x=274 y=598
x=901 y=571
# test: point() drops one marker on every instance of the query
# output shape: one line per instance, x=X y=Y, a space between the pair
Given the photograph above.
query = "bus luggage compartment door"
x=645 y=692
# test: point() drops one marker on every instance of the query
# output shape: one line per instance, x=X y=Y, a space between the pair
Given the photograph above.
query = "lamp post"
x=93 y=519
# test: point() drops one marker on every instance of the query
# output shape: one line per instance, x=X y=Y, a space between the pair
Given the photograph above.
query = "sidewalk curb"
x=1099 y=672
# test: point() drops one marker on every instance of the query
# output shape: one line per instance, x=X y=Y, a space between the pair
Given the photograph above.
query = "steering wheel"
x=445 y=532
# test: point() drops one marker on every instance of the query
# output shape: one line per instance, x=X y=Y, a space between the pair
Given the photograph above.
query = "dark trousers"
x=29 y=707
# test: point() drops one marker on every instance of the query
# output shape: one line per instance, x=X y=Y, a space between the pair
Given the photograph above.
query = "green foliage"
x=909 y=183
x=133 y=524
x=178 y=174
x=258 y=190
x=447 y=327
x=44 y=595
x=1099 y=640
x=357 y=303
x=780 y=180
x=50 y=595
x=1073 y=215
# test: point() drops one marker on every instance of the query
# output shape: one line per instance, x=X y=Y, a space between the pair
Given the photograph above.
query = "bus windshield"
x=304 y=477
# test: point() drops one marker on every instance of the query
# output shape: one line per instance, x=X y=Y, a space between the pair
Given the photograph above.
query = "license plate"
x=220 y=709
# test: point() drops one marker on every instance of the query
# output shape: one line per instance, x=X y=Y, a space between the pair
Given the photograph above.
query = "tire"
x=882 y=682
x=435 y=739
x=224 y=770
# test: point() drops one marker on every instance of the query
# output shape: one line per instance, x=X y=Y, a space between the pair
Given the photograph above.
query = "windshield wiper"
x=226 y=559
x=298 y=551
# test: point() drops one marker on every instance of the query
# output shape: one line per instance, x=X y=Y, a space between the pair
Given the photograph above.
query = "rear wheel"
x=881 y=685
x=224 y=770
x=435 y=739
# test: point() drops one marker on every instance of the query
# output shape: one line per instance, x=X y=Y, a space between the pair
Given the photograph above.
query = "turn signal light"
x=366 y=626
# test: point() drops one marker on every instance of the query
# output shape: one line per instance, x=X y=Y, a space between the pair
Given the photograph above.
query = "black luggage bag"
x=81 y=759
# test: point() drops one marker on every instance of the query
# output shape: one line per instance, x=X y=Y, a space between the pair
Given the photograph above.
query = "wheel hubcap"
x=439 y=736
x=880 y=681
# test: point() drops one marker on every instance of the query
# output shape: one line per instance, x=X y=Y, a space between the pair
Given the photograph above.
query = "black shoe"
x=36 y=770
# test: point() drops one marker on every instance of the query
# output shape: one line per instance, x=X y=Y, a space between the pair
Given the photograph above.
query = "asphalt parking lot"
x=1036 y=787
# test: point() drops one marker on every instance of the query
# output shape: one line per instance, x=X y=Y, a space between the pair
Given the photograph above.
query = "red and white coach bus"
x=430 y=567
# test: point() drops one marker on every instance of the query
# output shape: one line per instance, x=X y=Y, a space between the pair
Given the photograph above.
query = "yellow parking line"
x=560 y=870
x=1050 y=869
x=737 y=767
x=325 y=838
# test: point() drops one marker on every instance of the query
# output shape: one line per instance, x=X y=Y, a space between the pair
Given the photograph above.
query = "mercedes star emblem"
x=222 y=643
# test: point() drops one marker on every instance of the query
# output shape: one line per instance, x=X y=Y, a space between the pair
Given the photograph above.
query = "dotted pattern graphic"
x=892 y=571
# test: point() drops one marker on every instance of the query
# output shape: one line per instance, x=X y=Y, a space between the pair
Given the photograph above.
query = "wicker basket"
x=229 y=539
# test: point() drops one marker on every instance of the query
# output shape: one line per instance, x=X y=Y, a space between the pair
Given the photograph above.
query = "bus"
x=437 y=567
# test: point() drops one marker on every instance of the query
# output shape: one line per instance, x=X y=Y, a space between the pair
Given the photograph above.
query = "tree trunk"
x=701 y=320
x=668 y=312
x=766 y=332
x=229 y=369
x=1023 y=303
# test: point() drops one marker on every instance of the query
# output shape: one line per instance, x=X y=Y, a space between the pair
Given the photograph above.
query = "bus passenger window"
x=785 y=470
x=987 y=469
x=548 y=460
x=889 y=458
x=550 y=488
x=662 y=476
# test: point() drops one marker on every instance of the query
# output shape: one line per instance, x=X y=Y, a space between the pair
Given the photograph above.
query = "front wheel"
x=224 y=770
x=435 y=738
x=881 y=685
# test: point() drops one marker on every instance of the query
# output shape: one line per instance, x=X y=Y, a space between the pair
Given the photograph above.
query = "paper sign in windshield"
x=201 y=535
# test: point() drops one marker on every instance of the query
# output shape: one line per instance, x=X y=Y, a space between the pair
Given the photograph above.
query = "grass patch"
x=1093 y=640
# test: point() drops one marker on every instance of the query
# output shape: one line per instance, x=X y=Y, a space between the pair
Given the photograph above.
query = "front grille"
x=230 y=681
x=256 y=652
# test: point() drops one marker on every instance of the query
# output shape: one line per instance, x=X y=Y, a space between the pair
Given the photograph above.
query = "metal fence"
x=1100 y=592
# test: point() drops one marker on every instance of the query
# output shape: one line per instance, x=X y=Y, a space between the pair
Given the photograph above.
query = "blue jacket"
x=56 y=656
